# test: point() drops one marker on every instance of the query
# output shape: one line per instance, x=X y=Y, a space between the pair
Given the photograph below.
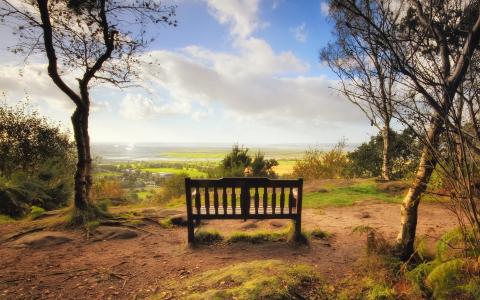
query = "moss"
x=445 y=279
x=207 y=237
x=266 y=279
x=166 y=223
x=4 y=219
x=36 y=212
x=81 y=217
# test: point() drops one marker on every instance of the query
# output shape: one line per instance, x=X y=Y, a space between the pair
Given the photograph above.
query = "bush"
x=366 y=160
x=318 y=164
x=173 y=187
x=238 y=163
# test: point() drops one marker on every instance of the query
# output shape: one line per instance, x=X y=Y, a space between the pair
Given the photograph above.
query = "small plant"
x=207 y=237
x=36 y=212
x=320 y=234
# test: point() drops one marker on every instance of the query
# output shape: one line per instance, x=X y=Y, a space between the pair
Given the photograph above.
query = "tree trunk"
x=386 y=153
x=409 y=208
x=83 y=179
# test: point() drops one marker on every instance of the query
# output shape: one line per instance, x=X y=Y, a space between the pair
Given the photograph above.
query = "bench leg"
x=191 y=231
x=298 y=228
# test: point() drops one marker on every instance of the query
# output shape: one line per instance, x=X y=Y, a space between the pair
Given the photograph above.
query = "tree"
x=431 y=44
x=366 y=159
x=28 y=139
x=238 y=163
x=235 y=162
x=97 y=41
x=262 y=167
x=365 y=76
x=36 y=161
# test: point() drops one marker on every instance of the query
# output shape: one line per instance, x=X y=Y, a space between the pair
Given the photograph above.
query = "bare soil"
x=147 y=264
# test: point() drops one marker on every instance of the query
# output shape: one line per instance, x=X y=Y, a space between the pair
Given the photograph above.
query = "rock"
x=179 y=220
x=249 y=225
x=321 y=190
x=363 y=215
x=42 y=239
x=113 y=233
x=277 y=223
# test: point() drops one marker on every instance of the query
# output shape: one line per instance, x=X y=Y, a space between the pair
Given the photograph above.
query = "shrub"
x=318 y=164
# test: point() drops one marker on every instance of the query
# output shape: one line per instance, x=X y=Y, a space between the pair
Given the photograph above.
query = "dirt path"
x=144 y=265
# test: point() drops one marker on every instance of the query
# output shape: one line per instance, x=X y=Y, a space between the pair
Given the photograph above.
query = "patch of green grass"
x=258 y=237
x=100 y=175
x=261 y=279
x=284 y=167
x=348 y=195
x=207 y=237
x=194 y=173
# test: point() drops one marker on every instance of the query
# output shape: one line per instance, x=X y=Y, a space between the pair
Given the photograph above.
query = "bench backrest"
x=244 y=198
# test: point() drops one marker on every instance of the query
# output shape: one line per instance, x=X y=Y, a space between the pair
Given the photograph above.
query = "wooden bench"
x=243 y=198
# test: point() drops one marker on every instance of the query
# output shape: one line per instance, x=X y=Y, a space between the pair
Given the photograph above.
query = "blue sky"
x=243 y=71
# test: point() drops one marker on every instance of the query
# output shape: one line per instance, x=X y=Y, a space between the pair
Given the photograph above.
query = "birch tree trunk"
x=409 y=208
x=386 y=153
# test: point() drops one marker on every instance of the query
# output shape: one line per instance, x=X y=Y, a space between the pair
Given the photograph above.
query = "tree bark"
x=409 y=208
x=83 y=174
x=386 y=153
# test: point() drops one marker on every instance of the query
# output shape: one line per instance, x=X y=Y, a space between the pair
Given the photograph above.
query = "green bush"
x=318 y=164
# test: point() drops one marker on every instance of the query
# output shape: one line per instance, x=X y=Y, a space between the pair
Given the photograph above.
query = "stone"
x=113 y=233
x=42 y=239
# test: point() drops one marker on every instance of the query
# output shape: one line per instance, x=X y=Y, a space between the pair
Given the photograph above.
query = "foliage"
x=317 y=164
x=238 y=163
x=48 y=188
x=108 y=190
x=173 y=187
x=366 y=160
x=27 y=139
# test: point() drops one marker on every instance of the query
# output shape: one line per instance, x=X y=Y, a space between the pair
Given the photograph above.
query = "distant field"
x=190 y=172
x=107 y=174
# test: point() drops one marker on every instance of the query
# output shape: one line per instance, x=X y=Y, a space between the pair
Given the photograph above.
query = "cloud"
x=300 y=33
x=33 y=81
x=240 y=15
x=139 y=107
x=324 y=8
x=208 y=79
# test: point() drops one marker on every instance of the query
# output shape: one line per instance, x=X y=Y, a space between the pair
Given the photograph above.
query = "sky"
x=232 y=71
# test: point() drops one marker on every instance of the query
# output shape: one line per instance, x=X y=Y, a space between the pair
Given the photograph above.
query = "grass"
x=258 y=237
x=4 y=219
x=190 y=171
x=259 y=279
x=348 y=195
x=207 y=237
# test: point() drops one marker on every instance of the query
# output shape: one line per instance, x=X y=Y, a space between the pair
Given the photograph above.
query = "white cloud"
x=240 y=15
x=260 y=96
x=324 y=8
x=139 y=107
x=33 y=81
x=300 y=33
